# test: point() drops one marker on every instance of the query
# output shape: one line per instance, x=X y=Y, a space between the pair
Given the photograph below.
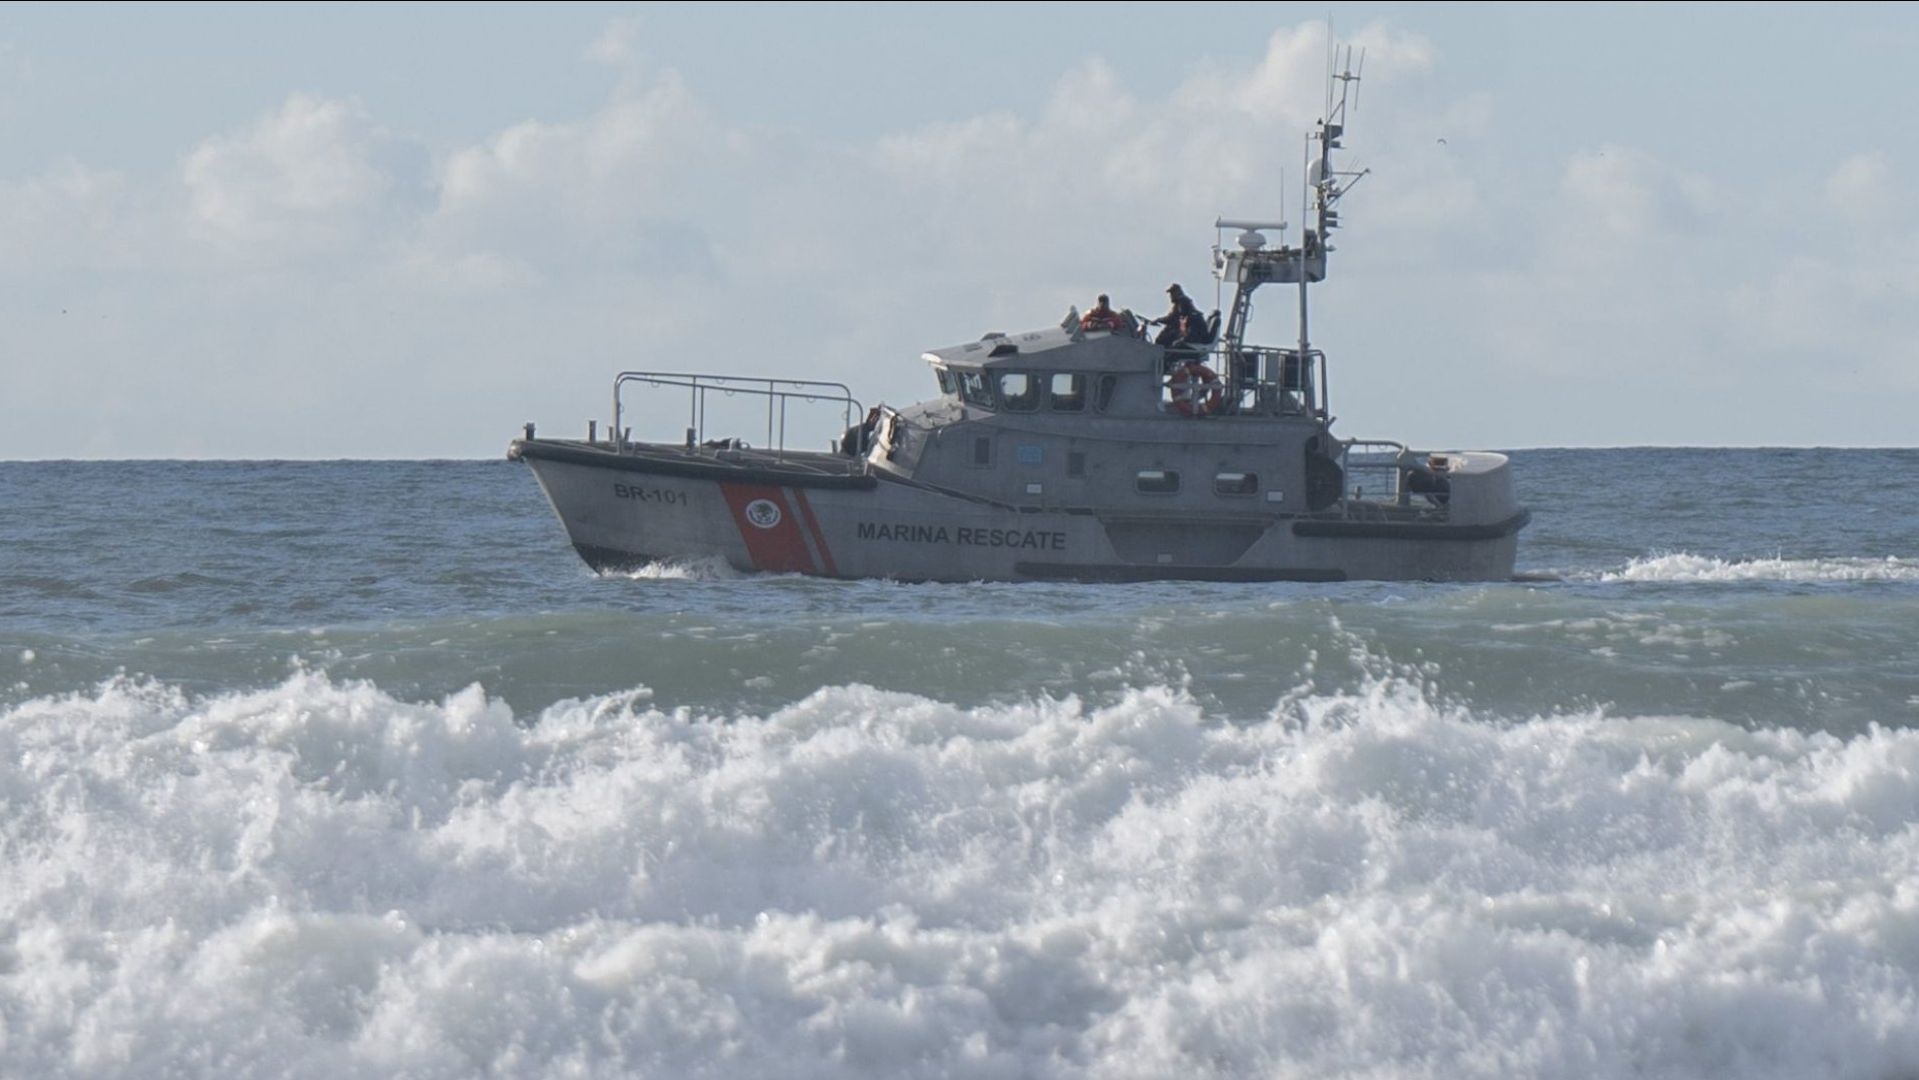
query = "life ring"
x=1196 y=389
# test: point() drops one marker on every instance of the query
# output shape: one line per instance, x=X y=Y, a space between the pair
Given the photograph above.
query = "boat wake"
x=1683 y=567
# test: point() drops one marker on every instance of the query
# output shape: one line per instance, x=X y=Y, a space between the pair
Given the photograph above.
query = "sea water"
x=353 y=769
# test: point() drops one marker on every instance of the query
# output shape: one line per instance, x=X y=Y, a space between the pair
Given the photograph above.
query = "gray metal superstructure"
x=1061 y=453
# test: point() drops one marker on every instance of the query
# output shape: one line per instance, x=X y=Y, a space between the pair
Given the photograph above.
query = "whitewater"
x=351 y=769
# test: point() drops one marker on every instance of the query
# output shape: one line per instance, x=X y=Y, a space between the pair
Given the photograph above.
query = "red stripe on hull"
x=819 y=538
x=771 y=531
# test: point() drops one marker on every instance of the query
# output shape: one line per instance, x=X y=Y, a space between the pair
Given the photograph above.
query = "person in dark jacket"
x=1184 y=323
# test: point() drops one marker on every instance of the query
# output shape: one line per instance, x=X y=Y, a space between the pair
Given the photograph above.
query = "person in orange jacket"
x=1102 y=317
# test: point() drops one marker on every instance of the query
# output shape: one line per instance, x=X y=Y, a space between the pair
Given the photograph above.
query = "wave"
x=712 y=568
x=861 y=882
x=1683 y=567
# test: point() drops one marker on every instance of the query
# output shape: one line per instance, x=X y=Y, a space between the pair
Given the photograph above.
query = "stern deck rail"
x=1376 y=473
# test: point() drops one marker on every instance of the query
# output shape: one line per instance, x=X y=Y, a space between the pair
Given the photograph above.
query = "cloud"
x=69 y=217
x=1619 y=196
x=1222 y=137
x=293 y=266
x=1614 y=253
x=1658 y=304
x=313 y=176
x=625 y=188
x=1860 y=189
x=618 y=44
x=1844 y=282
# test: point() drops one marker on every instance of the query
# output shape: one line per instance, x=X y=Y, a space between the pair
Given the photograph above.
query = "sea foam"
x=317 y=879
x=712 y=568
x=1683 y=567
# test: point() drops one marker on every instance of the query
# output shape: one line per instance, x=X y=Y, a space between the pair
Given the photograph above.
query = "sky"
x=390 y=231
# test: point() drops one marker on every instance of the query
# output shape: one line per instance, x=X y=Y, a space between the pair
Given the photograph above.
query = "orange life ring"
x=1196 y=389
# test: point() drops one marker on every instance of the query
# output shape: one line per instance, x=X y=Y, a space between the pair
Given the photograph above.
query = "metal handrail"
x=1371 y=465
x=1277 y=392
x=1389 y=460
x=699 y=384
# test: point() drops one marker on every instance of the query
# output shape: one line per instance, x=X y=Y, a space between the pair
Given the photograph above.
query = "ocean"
x=338 y=769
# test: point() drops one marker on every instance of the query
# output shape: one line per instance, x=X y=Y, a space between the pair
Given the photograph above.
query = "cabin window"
x=1069 y=392
x=1157 y=482
x=1018 y=391
x=1236 y=483
x=1103 y=394
x=983 y=450
x=948 y=384
x=975 y=389
x=1076 y=463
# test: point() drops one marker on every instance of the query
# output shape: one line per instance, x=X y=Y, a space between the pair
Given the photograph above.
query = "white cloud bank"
x=316 y=284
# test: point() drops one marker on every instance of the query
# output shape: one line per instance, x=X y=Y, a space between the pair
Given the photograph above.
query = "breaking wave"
x=1683 y=567
x=318 y=878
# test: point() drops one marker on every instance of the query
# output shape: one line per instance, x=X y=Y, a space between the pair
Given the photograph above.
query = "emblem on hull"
x=763 y=513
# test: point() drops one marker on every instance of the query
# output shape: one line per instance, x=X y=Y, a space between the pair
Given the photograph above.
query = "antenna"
x=1252 y=262
x=1332 y=61
x=1328 y=183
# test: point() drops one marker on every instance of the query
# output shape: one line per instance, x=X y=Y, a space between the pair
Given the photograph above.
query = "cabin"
x=1065 y=419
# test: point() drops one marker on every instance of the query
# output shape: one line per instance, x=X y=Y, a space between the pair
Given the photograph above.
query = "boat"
x=1082 y=451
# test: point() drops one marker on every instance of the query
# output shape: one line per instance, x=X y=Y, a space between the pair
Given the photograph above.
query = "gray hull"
x=623 y=509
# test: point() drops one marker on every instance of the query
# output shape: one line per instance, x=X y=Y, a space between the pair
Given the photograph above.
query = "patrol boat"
x=1082 y=451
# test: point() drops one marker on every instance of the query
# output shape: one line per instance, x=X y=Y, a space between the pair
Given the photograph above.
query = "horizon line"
x=321 y=460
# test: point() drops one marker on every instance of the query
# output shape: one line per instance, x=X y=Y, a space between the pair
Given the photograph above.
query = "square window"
x=1236 y=483
x=1018 y=391
x=975 y=389
x=1156 y=482
x=1068 y=392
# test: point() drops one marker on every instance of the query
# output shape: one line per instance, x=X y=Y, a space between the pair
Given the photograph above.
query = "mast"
x=1254 y=264
x=1325 y=185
